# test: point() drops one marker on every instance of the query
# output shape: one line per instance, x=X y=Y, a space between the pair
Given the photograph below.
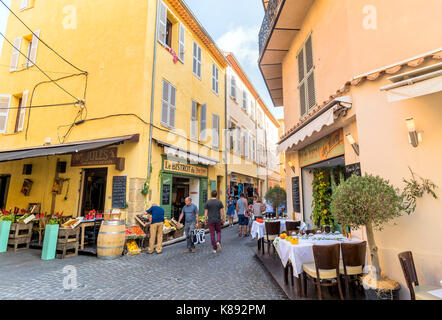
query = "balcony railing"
x=267 y=23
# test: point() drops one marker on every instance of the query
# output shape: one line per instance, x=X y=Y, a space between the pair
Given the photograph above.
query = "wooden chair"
x=39 y=227
x=272 y=232
x=292 y=226
x=353 y=262
x=418 y=292
x=310 y=232
x=325 y=267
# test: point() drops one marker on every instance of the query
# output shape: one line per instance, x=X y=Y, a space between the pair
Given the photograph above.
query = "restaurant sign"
x=94 y=157
x=179 y=167
x=328 y=147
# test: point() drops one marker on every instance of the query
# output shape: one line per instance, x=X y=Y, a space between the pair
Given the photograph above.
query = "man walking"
x=156 y=220
x=243 y=221
x=191 y=214
x=214 y=215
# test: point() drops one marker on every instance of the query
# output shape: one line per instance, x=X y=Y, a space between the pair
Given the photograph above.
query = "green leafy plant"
x=8 y=218
x=372 y=201
x=322 y=192
x=413 y=190
x=276 y=196
x=53 y=221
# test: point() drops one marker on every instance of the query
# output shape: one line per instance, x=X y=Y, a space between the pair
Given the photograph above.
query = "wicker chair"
x=325 y=267
x=353 y=262
x=272 y=232
x=417 y=292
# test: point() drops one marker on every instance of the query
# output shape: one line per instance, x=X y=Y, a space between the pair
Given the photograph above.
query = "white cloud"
x=243 y=43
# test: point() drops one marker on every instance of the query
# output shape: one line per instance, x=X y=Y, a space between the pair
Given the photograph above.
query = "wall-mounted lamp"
x=414 y=137
x=291 y=165
x=353 y=143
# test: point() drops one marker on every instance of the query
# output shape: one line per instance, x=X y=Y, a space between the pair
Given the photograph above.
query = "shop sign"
x=179 y=167
x=326 y=148
x=95 y=157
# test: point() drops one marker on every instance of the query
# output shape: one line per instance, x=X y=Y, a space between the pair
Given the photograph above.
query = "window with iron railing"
x=267 y=24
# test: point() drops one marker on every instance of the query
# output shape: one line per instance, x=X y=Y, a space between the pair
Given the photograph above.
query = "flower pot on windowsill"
x=50 y=242
x=385 y=289
x=5 y=227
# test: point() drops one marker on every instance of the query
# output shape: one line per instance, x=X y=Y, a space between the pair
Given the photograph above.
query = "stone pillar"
x=136 y=199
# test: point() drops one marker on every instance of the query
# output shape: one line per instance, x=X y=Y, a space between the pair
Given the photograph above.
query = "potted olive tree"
x=276 y=196
x=371 y=201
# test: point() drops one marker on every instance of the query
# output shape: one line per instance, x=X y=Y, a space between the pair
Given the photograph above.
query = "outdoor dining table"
x=301 y=253
x=258 y=230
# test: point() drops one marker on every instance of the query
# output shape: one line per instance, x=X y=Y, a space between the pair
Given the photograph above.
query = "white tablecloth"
x=303 y=252
x=258 y=229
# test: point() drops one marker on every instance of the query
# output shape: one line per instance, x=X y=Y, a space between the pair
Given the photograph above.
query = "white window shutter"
x=194 y=65
x=5 y=102
x=22 y=111
x=244 y=99
x=15 y=54
x=199 y=61
x=246 y=144
x=233 y=87
x=215 y=131
x=172 y=106
x=203 y=125
x=238 y=141
x=165 y=103
x=162 y=23
x=194 y=121
x=24 y=4
x=34 y=45
x=182 y=38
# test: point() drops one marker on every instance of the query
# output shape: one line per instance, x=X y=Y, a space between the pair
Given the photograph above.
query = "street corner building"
x=361 y=92
x=112 y=107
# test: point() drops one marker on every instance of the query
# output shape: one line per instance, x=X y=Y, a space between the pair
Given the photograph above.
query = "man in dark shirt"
x=214 y=215
x=156 y=228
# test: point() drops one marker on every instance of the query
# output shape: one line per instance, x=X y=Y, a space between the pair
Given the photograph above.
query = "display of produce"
x=133 y=248
x=72 y=223
x=134 y=233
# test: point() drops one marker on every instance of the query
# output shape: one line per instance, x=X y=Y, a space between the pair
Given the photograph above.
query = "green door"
x=204 y=194
x=166 y=194
x=212 y=185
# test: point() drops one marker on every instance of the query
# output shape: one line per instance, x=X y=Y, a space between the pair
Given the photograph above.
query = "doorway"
x=94 y=190
x=4 y=187
x=180 y=191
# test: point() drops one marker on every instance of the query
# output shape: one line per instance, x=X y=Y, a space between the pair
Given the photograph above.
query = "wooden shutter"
x=309 y=54
x=162 y=23
x=195 y=56
x=301 y=65
x=15 y=54
x=172 y=106
x=5 y=101
x=165 y=104
x=311 y=90
x=246 y=144
x=214 y=78
x=233 y=87
x=199 y=61
x=237 y=147
x=217 y=80
x=34 y=45
x=21 y=112
x=194 y=121
x=244 y=99
x=203 y=125
x=24 y=4
x=181 y=42
x=302 y=98
x=215 y=130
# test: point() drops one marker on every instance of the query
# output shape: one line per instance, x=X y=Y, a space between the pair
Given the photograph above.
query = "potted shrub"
x=50 y=239
x=5 y=225
x=277 y=197
x=371 y=201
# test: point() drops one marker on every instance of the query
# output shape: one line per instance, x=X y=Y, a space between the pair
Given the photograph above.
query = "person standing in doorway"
x=156 y=220
x=243 y=221
x=191 y=214
x=231 y=210
x=214 y=215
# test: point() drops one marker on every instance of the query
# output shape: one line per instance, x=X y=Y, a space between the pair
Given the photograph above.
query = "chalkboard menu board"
x=295 y=195
x=165 y=201
x=205 y=196
x=119 y=192
x=352 y=169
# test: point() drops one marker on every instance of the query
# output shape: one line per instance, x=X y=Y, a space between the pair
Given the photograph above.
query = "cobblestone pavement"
x=234 y=274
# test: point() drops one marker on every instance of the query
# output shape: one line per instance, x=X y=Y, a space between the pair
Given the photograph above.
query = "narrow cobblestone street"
x=232 y=274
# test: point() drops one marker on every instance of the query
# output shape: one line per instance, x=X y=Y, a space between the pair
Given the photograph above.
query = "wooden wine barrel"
x=110 y=243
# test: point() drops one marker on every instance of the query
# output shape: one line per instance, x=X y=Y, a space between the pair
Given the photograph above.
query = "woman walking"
x=243 y=221
x=231 y=210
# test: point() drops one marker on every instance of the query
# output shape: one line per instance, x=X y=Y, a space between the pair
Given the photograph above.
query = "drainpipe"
x=152 y=97
x=225 y=135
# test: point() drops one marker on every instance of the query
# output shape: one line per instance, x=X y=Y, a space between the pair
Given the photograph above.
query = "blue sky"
x=233 y=24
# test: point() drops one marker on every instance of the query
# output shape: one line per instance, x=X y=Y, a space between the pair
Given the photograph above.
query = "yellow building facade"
x=96 y=107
